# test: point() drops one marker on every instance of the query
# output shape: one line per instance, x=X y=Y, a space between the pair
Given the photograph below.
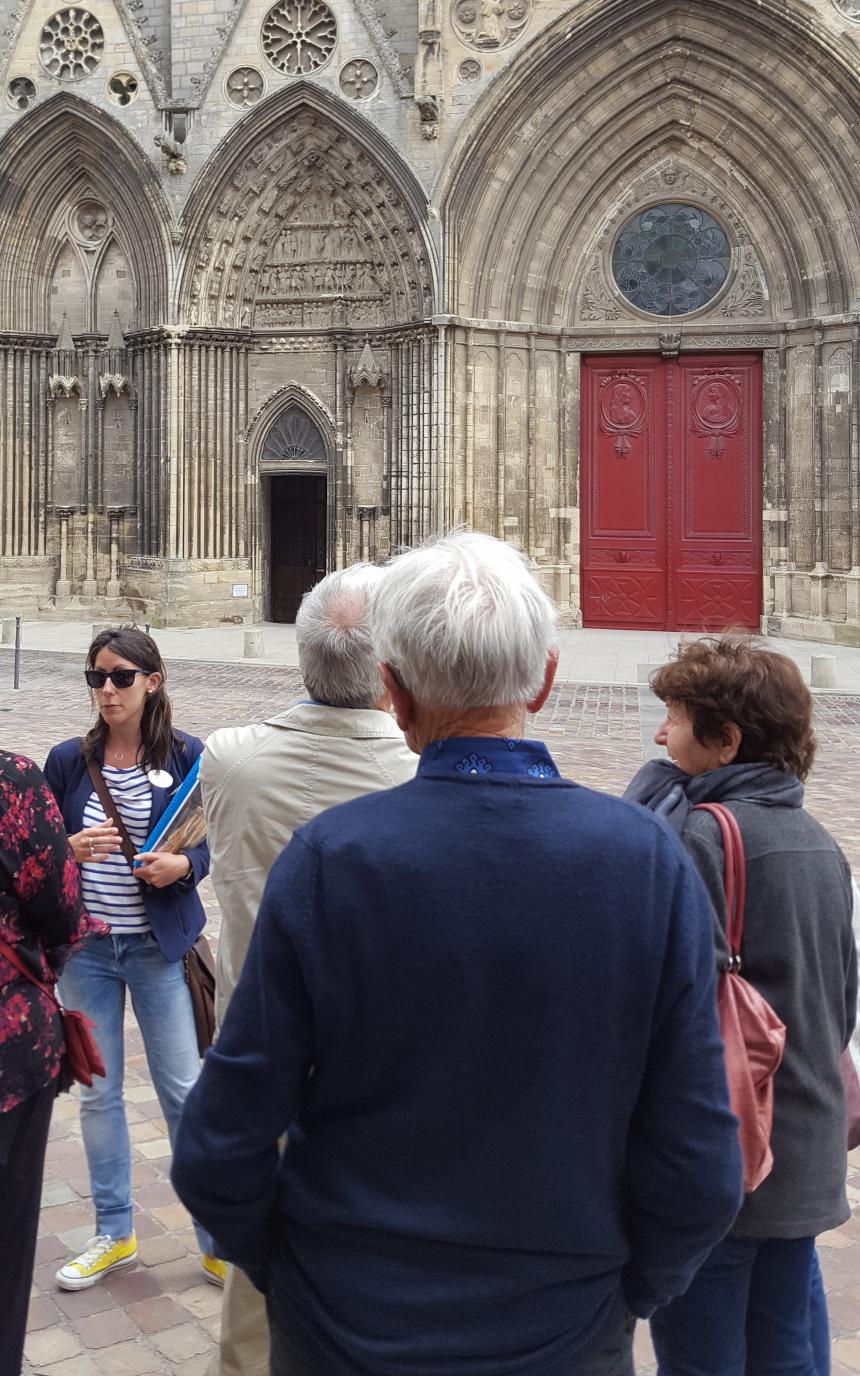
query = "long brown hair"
x=157 y=736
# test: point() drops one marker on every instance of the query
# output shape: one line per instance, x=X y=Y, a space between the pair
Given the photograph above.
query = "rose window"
x=245 y=87
x=671 y=259
x=299 y=36
x=71 y=44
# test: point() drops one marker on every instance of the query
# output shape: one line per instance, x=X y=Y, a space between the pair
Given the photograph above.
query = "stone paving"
x=160 y=1316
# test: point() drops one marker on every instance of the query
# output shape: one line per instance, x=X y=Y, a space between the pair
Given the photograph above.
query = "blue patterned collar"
x=477 y=756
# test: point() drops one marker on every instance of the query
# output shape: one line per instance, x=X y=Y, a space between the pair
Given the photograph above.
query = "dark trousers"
x=746 y=1313
x=23 y=1138
x=610 y=1353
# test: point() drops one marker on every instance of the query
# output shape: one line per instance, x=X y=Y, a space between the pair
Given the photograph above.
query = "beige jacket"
x=262 y=782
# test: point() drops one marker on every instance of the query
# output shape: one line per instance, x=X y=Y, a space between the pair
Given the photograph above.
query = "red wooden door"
x=671 y=492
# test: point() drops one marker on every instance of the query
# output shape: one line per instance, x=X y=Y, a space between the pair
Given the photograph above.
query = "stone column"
x=63 y=589
x=115 y=515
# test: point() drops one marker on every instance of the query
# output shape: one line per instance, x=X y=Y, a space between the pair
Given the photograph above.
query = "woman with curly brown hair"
x=738 y=731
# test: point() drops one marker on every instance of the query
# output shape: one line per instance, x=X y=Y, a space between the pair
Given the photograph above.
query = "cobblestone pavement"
x=160 y=1316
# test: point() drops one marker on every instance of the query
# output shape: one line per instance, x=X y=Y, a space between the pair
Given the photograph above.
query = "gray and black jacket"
x=798 y=950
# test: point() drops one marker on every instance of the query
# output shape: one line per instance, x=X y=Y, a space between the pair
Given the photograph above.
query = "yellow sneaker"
x=214 y=1269
x=102 y=1254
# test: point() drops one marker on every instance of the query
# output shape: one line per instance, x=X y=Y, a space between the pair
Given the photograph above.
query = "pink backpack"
x=753 y=1036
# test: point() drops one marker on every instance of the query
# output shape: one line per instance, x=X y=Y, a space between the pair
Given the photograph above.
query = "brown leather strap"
x=104 y=796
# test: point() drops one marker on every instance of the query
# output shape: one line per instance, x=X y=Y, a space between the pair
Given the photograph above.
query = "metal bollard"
x=16 y=671
x=823 y=673
x=254 y=647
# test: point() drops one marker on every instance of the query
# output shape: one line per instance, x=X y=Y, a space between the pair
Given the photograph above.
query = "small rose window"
x=671 y=259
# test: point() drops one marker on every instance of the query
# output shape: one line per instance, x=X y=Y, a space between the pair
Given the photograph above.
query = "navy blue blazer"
x=175 y=913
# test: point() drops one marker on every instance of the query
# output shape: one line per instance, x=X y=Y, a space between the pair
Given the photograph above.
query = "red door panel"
x=623 y=498
x=717 y=471
x=671 y=492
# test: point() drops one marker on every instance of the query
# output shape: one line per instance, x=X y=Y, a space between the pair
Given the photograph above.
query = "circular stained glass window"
x=671 y=259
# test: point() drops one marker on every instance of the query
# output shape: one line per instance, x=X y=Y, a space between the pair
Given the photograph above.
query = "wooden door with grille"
x=298 y=541
x=671 y=492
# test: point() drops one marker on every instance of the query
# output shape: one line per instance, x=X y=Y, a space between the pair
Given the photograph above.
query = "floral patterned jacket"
x=42 y=917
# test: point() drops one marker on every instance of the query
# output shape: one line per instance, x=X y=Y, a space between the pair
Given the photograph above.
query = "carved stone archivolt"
x=71 y=44
x=490 y=24
x=307 y=232
x=299 y=36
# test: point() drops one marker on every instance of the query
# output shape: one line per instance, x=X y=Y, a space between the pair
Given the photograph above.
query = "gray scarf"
x=665 y=789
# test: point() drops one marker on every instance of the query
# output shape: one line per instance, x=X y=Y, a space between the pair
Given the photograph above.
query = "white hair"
x=464 y=623
x=336 y=653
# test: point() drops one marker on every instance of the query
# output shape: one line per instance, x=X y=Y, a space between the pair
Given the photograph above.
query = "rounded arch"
x=302 y=148
x=758 y=106
x=50 y=155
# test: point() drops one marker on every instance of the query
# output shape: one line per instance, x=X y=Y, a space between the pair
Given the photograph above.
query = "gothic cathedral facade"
x=286 y=285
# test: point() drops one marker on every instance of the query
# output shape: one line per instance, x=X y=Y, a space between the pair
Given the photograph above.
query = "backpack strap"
x=734 y=874
x=105 y=797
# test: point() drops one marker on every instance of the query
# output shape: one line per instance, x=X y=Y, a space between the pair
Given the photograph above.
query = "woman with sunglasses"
x=154 y=914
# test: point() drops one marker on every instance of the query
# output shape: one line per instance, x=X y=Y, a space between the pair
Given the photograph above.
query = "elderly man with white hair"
x=259 y=784
x=483 y=1005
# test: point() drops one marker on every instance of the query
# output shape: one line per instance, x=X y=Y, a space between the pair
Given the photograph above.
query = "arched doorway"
x=294 y=467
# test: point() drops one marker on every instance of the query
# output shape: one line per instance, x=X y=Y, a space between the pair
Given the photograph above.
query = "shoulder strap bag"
x=82 y=1057
x=197 y=963
x=753 y=1035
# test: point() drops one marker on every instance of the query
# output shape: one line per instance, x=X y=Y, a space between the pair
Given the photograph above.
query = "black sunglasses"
x=120 y=678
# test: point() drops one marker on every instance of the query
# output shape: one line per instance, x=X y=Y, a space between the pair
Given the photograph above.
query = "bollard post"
x=16 y=672
x=823 y=673
x=254 y=647
x=146 y=627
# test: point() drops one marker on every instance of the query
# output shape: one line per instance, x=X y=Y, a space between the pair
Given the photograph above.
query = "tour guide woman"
x=152 y=924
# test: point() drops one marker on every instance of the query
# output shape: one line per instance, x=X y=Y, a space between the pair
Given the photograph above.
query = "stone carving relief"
x=244 y=87
x=20 y=93
x=172 y=150
x=306 y=233
x=358 y=79
x=71 y=44
x=748 y=297
x=490 y=24
x=849 y=9
x=470 y=69
x=123 y=88
x=596 y=300
x=299 y=36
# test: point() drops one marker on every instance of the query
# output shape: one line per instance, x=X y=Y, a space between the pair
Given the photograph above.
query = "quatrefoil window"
x=299 y=36
x=71 y=44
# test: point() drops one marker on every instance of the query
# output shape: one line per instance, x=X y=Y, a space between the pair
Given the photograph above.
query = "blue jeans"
x=95 y=981
x=746 y=1313
x=819 y=1323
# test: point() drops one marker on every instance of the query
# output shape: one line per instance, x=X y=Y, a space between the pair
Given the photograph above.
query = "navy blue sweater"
x=483 y=1005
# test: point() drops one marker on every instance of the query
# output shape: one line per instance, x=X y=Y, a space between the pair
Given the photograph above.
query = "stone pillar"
x=115 y=515
x=64 y=586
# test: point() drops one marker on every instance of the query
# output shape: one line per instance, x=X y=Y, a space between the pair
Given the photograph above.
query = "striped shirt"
x=110 y=890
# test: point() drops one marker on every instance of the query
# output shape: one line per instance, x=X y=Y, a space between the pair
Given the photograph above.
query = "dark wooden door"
x=671 y=492
x=298 y=544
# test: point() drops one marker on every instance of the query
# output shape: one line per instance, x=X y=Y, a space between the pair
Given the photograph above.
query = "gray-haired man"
x=262 y=782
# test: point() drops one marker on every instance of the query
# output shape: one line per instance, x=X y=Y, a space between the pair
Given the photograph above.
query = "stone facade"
x=372 y=242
